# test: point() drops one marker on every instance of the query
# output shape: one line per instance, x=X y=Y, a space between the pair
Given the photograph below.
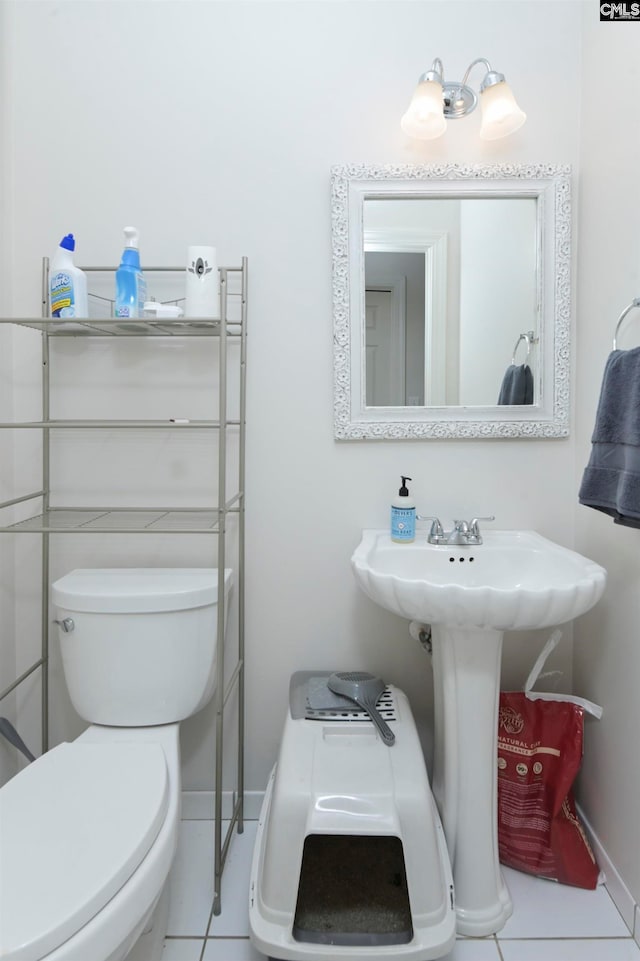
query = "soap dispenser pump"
x=403 y=516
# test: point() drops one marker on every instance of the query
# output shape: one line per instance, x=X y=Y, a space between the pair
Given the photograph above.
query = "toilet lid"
x=75 y=826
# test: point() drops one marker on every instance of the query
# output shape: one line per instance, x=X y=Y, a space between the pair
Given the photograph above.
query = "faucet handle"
x=436 y=527
x=474 y=525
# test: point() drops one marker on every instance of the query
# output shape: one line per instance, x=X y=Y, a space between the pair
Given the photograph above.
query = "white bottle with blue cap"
x=67 y=283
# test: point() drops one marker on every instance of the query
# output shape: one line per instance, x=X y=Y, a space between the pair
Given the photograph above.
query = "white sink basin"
x=514 y=580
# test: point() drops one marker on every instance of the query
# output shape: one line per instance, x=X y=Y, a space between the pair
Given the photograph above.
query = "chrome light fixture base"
x=459 y=100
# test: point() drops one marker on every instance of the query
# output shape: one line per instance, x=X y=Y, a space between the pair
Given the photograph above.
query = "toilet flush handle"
x=67 y=624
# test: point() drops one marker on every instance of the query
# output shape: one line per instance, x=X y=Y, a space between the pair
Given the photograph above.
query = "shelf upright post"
x=241 y=534
x=222 y=525
x=44 y=673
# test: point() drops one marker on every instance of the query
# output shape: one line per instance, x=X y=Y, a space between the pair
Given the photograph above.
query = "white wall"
x=607 y=650
x=218 y=122
x=498 y=294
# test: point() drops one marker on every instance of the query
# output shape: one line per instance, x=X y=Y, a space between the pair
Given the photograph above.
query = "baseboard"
x=620 y=894
x=199 y=805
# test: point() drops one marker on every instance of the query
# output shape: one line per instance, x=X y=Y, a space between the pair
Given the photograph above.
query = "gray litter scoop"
x=364 y=689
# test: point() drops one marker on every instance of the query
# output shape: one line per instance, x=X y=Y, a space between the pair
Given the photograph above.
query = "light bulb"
x=501 y=115
x=424 y=119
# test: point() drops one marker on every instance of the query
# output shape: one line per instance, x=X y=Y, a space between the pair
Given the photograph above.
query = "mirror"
x=451 y=300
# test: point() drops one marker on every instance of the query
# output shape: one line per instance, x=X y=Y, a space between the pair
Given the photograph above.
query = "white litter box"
x=350 y=859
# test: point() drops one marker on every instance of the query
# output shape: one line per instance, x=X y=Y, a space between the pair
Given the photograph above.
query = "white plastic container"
x=335 y=778
x=67 y=283
x=202 y=287
x=153 y=308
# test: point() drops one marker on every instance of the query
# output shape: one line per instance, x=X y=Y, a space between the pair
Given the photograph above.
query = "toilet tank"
x=138 y=645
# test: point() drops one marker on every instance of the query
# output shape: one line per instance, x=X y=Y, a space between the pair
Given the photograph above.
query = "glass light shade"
x=501 y=115
x=424 y=119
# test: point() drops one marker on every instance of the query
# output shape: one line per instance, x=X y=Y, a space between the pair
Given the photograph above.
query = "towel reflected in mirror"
x=517 y=385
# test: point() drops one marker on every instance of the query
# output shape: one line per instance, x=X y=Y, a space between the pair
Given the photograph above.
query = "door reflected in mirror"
x=450 y=285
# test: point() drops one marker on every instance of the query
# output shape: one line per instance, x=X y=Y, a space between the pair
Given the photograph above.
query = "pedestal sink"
x=514 y=580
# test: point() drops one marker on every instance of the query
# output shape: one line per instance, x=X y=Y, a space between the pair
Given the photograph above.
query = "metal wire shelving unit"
x=49 y=520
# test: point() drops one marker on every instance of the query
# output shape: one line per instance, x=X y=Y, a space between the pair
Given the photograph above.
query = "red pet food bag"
x=540 y=739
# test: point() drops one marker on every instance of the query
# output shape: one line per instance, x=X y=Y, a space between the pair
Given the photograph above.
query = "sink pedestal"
x=466 y=665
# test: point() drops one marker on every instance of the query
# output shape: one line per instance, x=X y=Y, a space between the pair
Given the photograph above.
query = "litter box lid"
x=76 y=825
x=137 y=590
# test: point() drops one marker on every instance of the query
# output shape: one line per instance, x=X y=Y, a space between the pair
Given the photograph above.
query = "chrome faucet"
x=463 y=533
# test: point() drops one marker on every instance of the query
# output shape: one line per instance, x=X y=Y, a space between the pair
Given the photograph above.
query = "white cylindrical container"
x=202 y=289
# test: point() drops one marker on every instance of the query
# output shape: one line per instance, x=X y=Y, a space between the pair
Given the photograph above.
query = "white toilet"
x=89 y=830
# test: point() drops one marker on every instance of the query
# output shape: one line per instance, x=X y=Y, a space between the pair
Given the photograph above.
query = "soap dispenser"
x=403 y=516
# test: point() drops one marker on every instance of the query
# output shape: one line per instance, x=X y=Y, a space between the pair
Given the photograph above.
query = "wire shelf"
x=117 y=327
x=171 y=424
x=116 y=520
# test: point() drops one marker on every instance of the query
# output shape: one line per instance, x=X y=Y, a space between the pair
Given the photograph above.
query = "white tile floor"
x=550 y=922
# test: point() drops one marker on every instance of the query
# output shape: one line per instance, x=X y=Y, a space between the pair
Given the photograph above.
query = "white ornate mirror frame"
x=550 y=186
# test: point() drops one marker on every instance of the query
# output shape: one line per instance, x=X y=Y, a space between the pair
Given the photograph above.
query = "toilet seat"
x=83 y=817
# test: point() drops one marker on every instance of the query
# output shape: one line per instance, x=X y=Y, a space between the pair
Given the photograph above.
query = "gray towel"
x=517 y=385
x=611 y=480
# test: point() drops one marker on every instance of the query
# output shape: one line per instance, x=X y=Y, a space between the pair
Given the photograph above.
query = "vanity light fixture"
x=436 y=100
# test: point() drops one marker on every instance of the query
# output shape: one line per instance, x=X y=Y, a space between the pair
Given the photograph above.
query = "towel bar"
x=634 y=303
x=529 y=338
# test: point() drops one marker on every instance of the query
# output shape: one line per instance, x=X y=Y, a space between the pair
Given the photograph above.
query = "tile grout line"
x=184 y=937
x=575 y=937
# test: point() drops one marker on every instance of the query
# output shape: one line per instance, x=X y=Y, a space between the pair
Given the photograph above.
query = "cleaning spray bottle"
x=403 y=516
x=131 y=287
x=67 y=283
